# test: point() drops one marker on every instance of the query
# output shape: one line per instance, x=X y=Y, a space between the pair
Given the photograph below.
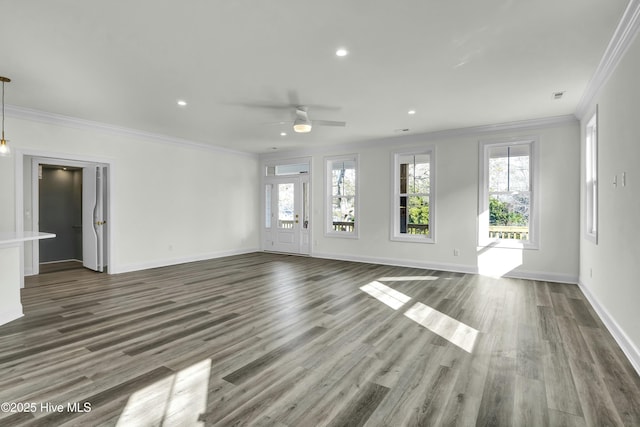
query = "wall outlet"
x=456 y=252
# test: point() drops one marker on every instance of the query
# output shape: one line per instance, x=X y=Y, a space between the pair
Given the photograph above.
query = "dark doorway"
x=60 y=212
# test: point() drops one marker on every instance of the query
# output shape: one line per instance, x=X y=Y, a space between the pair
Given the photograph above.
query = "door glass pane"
x=305 y=205
x=267 y=205
x=285 y=205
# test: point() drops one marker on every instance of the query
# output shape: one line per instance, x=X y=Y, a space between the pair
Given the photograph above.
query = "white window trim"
x=328 y=214
x=483 y=195
x=395 y=234
x=591 y=179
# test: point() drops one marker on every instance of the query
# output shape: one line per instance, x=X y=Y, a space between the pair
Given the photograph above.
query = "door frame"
x=306 y=177
x=62 y=159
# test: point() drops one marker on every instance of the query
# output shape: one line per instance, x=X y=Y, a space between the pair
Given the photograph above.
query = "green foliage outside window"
x=500 y=214
x=419 y=211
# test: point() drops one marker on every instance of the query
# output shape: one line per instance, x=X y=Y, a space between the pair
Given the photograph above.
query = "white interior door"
x=92 y=218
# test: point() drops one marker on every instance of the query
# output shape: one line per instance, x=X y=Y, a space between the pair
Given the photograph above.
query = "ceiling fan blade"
x=265 y=105
x=328 y=123
x=280 y=123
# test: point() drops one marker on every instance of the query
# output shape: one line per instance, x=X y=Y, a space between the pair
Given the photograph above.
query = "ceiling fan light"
x=301 y=126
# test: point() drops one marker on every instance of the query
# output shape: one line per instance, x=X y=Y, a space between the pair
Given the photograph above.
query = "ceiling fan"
x=302 y=123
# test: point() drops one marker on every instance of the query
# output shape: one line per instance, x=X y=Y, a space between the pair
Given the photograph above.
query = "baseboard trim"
x=628 y=347
x=543 y=276
x=11 y=315
x=454 y=268
x=127 y=268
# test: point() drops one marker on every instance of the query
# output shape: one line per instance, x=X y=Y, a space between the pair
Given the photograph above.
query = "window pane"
x=293 y=169
x=509 y=215
x=509 y=168
x=413 y=218
x=343 y=179
x=509 y=196
x=508 y=205
x=342 y=197
x=414 y=215
x=343 y=209
x=414 y=174
x=591 y=170
x=305 y=205
x=267 y=205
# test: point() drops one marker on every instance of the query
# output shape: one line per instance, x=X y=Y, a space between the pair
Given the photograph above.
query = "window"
x=413 y=196
x=342 y=196
x=287 y=169
x=507 y=194
x=591 y=178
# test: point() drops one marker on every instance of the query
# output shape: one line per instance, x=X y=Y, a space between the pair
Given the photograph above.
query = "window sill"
x=413 y=239
x=343 y=235
x=509 y=244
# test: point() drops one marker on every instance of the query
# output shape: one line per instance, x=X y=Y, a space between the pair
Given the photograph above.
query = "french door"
x=287 y=218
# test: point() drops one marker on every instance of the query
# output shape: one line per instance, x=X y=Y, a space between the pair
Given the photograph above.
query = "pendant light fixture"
x=5 y=151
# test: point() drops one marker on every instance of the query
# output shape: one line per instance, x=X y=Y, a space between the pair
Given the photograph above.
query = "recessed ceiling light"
x=283 y=134
x=181 y=103
x=411 y=112
x=342 y=52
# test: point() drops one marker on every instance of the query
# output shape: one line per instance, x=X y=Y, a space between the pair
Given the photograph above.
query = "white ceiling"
x=457 y=63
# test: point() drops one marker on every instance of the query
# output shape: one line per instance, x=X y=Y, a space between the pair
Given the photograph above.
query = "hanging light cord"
x=3 y=110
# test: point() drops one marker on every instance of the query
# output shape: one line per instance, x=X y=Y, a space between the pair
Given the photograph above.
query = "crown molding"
x=419 y=138
x=73 y=122
x=622 y=38
x=487 y=129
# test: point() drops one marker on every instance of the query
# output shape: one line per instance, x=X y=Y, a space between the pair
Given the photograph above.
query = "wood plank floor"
x=268 y=339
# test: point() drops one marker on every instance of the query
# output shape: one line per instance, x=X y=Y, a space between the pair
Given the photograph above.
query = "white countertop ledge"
x=8 y=237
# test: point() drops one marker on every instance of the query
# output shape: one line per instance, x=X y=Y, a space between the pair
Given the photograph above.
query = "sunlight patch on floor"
x=447 y=327
x=452 y=330
x=385 y=294
x=177 y=400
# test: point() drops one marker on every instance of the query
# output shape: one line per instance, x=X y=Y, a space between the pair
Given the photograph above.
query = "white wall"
x=610 y=269
x=457 y=206
x=171 y=203
x=10 y=306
